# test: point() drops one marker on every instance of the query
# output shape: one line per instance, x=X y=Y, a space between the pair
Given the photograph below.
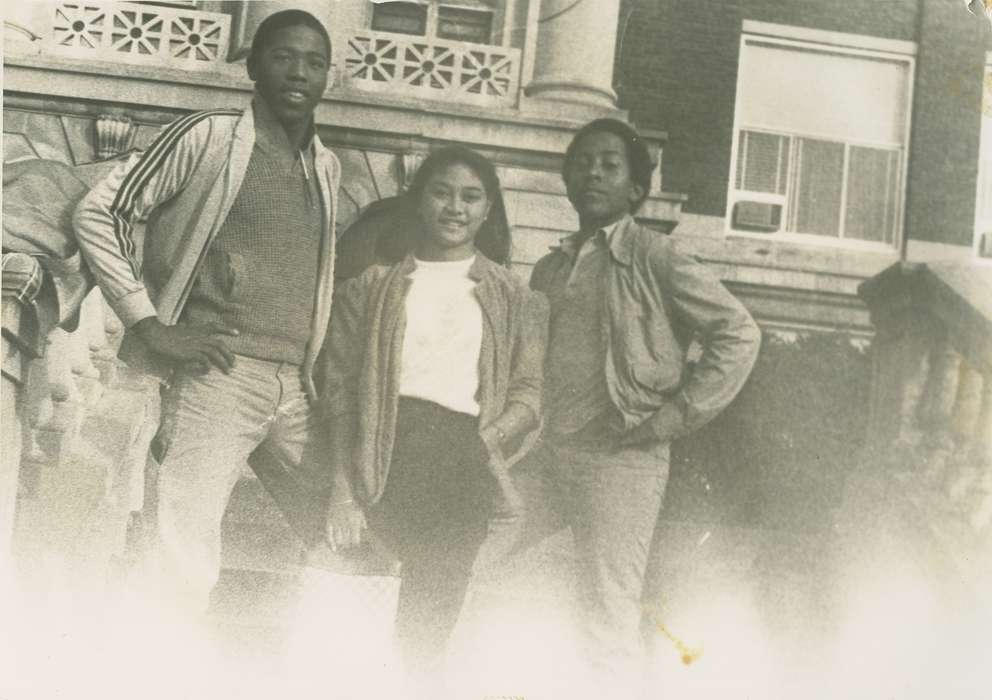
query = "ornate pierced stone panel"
x=130 y=32
x=432 y=68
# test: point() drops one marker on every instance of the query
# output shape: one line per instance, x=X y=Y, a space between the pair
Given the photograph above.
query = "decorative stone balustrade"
x=81 y=420
x=139 y=33
x=931 y=413
x=186 y=39
x=432 y=68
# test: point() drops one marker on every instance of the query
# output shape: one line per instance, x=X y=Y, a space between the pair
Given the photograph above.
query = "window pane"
x=463 y=24
x=817 y=187
x=985 y=190
x=872 y=194
x=400 y=17
x=762 y=161
x=984 y=209
x=810 y=90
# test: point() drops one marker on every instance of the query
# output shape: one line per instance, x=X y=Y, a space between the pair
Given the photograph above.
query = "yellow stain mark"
x=688 y=654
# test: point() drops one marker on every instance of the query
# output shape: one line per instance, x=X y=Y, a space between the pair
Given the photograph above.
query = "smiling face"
x=599 y=181
x=290 y=73
x=452 y=207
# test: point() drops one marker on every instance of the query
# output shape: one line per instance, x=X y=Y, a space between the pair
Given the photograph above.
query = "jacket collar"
x=479 y=270
x=270 y=134
x=252 y=121
x=619 y=240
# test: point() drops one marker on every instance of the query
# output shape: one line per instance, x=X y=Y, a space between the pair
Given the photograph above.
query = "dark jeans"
x=434 y=515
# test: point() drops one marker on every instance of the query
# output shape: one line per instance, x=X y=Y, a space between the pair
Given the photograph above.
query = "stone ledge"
x=788 y=255
x=342 y=108
x=956 y=294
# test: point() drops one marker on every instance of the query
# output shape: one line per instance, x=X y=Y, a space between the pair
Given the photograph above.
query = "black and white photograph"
x=496 y=350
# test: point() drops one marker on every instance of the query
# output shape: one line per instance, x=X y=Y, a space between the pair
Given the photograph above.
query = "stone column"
x=576 y=45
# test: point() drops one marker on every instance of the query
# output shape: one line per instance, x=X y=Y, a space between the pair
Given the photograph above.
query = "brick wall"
x=944 y=141
x=677 y=71
x=891 y=19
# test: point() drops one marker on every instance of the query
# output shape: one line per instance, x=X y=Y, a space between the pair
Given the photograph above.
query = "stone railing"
x=82 y=422
x=432 y=68
x=136 y=33
x=383 y=63
x=931 y=412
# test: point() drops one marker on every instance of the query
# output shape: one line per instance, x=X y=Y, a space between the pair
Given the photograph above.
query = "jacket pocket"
x=225 y=273
x=659 y=376
x=237 y=276
x=652 y=357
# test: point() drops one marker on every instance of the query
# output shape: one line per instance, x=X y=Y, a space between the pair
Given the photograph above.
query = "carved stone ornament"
x=113 y=135
x=409 y=164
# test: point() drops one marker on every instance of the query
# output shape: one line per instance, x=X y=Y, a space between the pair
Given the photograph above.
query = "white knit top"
x=443 y=337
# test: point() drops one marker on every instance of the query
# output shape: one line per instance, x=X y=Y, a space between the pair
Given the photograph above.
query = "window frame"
x=819 y=41
x=432 y=21
x=983 y=226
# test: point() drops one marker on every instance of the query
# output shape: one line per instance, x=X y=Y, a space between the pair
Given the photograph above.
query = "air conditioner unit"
x=765 y=217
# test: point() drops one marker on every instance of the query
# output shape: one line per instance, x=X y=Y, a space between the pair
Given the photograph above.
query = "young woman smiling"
x=433 y=372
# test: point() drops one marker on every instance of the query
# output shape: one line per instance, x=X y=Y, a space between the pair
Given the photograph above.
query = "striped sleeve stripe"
x=134 y=182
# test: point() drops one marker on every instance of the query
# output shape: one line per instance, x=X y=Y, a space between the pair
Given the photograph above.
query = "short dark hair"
x=280 y=20
x=493 y=238
x=638 y=157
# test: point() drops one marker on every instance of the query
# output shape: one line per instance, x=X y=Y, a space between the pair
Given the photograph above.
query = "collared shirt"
x=579 y=244
x=577 y=405
x=22 y=276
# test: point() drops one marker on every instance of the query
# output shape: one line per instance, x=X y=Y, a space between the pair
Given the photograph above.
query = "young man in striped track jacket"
x=227 y=295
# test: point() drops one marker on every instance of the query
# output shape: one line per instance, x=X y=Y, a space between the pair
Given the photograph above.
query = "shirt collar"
x=269 y=133
x=615 y=235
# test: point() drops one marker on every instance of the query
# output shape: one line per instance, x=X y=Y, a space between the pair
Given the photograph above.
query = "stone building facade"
x=803 y=148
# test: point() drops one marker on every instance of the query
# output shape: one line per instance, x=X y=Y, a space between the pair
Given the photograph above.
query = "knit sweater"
x=260 y=272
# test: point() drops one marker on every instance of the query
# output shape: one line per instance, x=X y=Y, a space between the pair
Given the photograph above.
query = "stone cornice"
x=538 y=137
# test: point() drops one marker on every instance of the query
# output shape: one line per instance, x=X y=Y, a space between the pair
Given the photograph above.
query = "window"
x=821 y=135
x=983 y=205
x=400 y=17
x=466 y=21
x=465 y=24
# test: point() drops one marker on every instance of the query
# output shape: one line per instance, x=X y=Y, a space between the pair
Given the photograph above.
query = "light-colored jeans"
x=611 y=501
x=210 y=424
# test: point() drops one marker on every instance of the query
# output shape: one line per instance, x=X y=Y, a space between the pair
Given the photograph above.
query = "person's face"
x=452 y=208
x=290 y=73
x=598 y=180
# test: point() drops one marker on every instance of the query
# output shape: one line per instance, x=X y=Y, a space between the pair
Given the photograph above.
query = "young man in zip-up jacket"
x=227 y=296
x=625 y=304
